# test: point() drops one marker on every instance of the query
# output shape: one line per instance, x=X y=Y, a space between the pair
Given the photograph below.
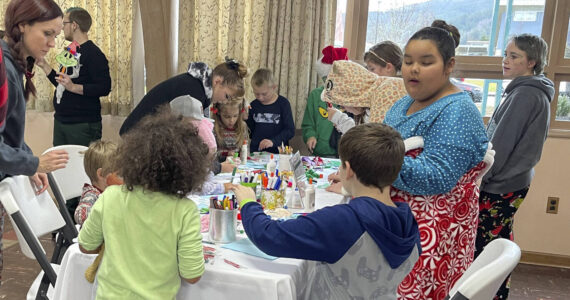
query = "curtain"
x=210 y=30
x=295 y=33
x=111 y=31
x=285 y=36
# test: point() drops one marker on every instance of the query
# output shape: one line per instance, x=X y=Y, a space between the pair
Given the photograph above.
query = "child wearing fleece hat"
x=362 y=93
x=192 y=109
x=318 y=132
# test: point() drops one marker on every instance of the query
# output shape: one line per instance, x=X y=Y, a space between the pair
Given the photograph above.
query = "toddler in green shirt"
x=150 y=230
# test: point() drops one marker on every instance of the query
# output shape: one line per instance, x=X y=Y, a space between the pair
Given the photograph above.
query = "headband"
x=377 y=56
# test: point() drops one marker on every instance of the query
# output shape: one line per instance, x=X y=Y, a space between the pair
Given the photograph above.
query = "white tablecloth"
x=283 y=278
x=259 y=278
x=71 y=282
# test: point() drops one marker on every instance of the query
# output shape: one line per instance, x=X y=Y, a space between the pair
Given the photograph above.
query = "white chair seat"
x=484 y=277
x=36 y=284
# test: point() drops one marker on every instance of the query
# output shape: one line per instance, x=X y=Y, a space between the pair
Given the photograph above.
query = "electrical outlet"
x=552 y=205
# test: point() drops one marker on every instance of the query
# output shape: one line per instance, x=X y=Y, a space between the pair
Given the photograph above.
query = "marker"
x=277 y=184
x=233 y=264
x=233 y=174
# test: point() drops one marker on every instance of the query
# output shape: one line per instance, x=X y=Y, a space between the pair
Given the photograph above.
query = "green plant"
x=563 y=107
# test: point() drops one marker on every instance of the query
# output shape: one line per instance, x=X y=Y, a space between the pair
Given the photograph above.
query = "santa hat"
x=330 y=54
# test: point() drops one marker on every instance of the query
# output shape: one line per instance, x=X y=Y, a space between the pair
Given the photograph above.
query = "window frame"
x=554 y=25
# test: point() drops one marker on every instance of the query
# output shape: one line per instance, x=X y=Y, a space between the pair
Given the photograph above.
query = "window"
x=485 y=27
x=482 y=29
x=525 y=16
x=567 y=48
x=340 y=22
x=563 y=105
x=483 y=92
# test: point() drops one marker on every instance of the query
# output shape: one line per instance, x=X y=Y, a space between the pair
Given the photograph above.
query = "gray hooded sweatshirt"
x=16 y=158
x=518 y=129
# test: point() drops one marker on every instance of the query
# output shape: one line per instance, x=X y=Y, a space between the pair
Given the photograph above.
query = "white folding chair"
x=32 y=216
x=66 y=184
x=484 y=277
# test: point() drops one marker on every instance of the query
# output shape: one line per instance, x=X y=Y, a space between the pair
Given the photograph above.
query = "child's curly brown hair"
x=163 y=153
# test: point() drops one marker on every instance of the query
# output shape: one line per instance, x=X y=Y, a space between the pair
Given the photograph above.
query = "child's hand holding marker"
x=233 y=175
x=231 y=163
x=334 y=177
x=243 y=193
x=234 y=160
x=227 y=187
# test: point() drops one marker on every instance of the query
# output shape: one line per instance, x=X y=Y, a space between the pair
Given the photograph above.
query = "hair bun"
x=439 y=24
x=453 y=31
x=233 y=64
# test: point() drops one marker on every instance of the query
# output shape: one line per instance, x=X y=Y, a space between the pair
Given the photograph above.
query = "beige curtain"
x=283 y=35
x=112 y=32
x=295 y=33
x=210 y=30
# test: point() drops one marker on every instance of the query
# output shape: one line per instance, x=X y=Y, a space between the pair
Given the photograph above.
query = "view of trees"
x=472 y=17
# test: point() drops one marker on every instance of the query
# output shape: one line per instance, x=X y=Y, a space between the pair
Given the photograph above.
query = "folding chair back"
x=484 y=277
x=37 y=211
x=32 y=216
x=69 y=180
x=66 y=184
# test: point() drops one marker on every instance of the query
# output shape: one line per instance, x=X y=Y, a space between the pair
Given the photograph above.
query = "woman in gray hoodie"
x=31 y=27
x=517 y=129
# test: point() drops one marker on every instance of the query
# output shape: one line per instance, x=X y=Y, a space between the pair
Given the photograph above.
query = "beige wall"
x=39 y=129
x=535 y=230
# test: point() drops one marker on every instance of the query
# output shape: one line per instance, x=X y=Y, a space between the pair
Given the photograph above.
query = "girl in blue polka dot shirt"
x=454 y=142
x=444 y=115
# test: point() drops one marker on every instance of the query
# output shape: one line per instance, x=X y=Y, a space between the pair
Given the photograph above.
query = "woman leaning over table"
x=30 y=30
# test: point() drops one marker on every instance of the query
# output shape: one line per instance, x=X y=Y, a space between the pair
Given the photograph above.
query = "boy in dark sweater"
x=270 y=119
x=364 y=248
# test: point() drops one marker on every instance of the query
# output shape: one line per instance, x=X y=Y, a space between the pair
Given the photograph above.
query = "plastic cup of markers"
x=272 y=199
x=223 y=224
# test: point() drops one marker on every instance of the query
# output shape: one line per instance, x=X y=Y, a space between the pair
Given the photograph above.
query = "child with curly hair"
x=151 y=231
x=229 y=127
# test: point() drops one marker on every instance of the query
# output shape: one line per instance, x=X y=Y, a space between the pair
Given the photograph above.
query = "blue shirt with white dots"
x=454 y=142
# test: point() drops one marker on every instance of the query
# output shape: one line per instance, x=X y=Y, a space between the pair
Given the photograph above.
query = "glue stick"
x=244 y=152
